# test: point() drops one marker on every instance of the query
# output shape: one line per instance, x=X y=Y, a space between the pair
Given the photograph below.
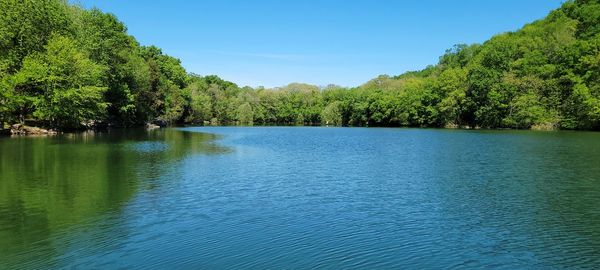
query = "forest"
x=66 y=67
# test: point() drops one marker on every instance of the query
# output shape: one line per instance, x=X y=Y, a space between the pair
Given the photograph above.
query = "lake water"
x=299 y=198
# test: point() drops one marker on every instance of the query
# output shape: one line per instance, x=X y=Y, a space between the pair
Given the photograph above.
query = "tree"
x=245 y=115
x=26 y=26
x=332 y=114
x=63 y=85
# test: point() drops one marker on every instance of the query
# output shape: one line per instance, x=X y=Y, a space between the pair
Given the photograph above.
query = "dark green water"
x=298 y=198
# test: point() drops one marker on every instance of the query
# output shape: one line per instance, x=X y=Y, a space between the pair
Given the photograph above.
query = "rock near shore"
x=151 y=126
x=19 y=129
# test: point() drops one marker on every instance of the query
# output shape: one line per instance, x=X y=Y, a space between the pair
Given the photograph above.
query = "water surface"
x=289 y=197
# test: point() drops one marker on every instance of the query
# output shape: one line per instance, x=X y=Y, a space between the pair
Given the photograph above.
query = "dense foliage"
x=69 y=68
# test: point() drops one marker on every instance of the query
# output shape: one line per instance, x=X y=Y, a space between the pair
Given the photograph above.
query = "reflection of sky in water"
x=149 y=147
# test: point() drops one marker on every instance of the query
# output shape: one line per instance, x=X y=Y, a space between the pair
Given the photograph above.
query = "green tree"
x=332 y=114
x=65 y=86
x=245 y=115
x=26 y=26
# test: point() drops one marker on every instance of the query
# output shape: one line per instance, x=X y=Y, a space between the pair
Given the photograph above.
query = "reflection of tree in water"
x=48 y=184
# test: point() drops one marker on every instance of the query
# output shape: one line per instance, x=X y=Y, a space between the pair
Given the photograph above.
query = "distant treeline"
x=68 y=67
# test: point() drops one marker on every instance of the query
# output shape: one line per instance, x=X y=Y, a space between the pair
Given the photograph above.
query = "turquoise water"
x=293 y=197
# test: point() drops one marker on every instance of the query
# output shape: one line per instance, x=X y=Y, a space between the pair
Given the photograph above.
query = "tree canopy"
x=69 y=67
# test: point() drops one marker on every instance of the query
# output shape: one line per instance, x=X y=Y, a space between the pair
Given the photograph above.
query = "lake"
x=300 y=197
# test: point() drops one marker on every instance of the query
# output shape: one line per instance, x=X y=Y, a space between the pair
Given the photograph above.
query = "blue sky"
x=272 y=43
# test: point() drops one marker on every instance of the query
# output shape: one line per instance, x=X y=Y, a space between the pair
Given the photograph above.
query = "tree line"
x=68 y=67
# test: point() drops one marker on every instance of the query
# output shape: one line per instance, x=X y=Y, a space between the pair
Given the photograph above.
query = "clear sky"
x=345 y=42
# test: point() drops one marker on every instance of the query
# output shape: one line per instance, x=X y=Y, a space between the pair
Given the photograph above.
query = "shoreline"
x=9 y=132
